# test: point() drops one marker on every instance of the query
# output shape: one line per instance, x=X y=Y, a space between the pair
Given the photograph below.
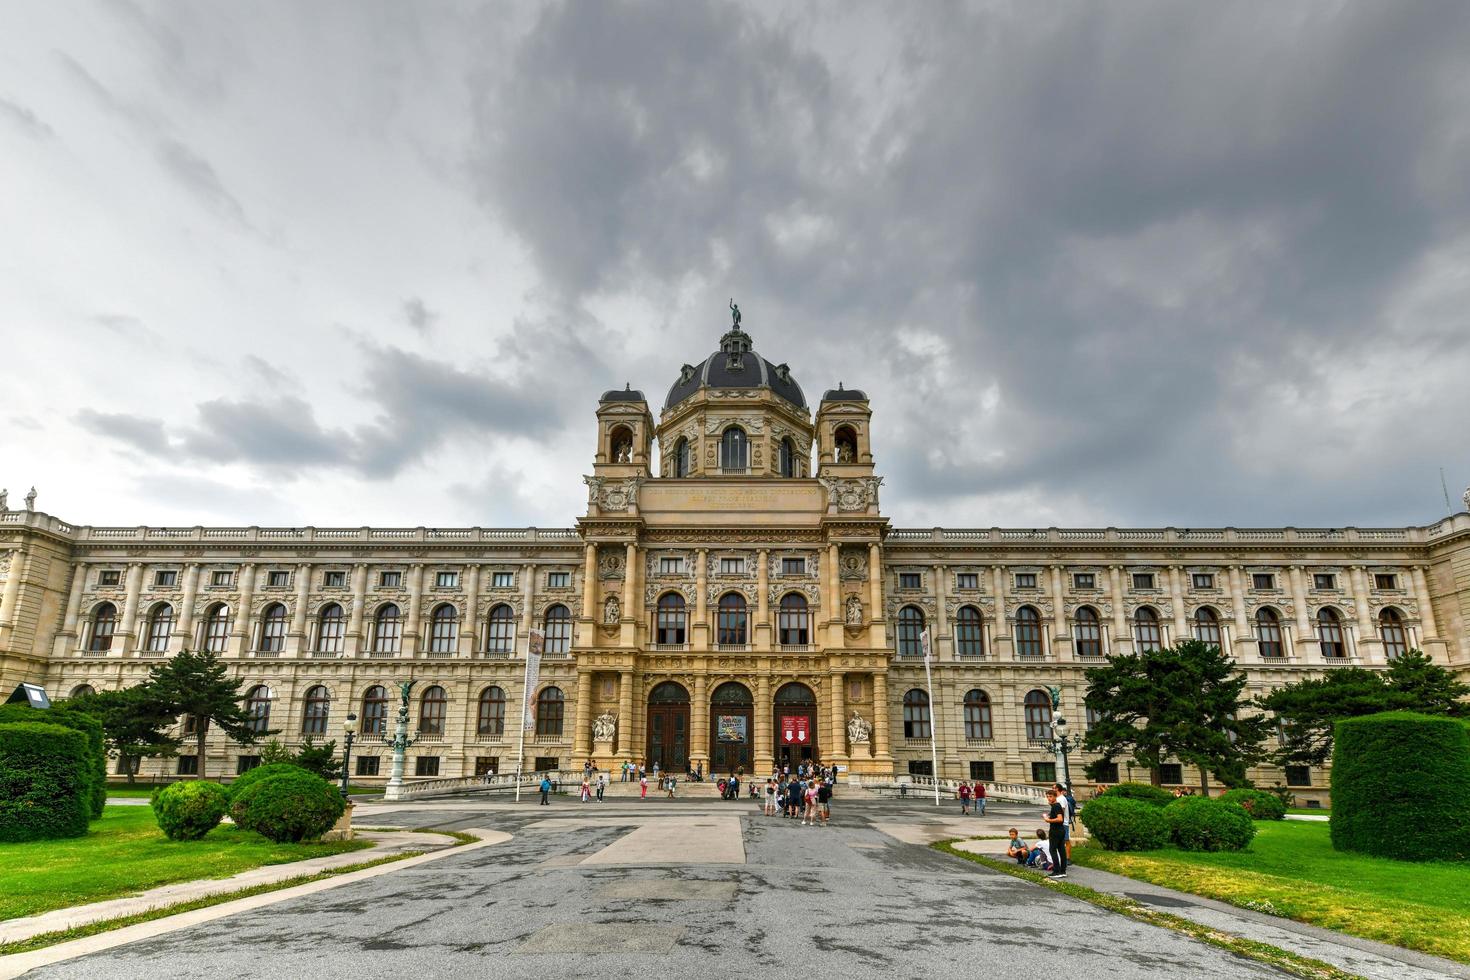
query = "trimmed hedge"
x=250 y=777
x=44 y=778
x=1198 y=823
x=95 y=790
x=1401 y=786
x=1140 y=791
x=1259 y=803
x=288 y=806
x=1123 y=824
x=188 y=811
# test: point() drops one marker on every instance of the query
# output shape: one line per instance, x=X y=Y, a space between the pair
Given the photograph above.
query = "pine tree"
x=199 y=686
x=134 y=720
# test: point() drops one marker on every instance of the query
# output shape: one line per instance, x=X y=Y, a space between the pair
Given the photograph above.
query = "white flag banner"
x=924 y=645
x=534 y=650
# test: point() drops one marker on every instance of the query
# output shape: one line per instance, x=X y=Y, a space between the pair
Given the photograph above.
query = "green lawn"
x=122 y=791
x=1291 y=865
x=125 y=853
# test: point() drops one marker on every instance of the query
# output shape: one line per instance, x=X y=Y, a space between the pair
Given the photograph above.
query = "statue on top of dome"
x=734 y=314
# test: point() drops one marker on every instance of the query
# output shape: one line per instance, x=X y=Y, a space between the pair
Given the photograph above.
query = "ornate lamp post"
x=1061 y=741
x=349 y=734
x=400 y=743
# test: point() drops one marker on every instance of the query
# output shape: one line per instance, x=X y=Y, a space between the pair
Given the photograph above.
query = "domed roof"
x=735 y=365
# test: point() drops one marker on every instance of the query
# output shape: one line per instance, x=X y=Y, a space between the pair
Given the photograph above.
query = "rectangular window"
x=246 y=763
x=670 y=566
x=1263 y=580
x=1105 y=772
x=732 y=566
x=112 y=576
x=165 y=580
x=188 y=765
x=503 y=580
x=1084 y=580
x=426 y=765
x=558 y=580
x=1386 y=581
x=1171 y=773
x=547 y=763
x=1025 y=580
x=793 y=566
x=367 y=765
x=910 y=580
x=1143 y=580
x=983 y=771
x=967 y=580
x=334 y=580
x=277 y=580
x=487 y=765
x=390 y=580
x=1044 y=772
x=1298 y=775
x=221 y=579
x=921 y=767
x=1203 y=580
x=446 y=580
x=1324 y=582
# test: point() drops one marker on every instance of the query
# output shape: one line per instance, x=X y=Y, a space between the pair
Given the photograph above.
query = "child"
x=1040 y=856
x=1016 y=848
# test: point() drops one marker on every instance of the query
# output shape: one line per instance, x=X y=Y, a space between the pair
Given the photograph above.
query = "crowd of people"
x=805 y=795
x=1052 y=847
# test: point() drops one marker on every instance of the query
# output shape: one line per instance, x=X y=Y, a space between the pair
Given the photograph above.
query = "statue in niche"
x=844 y=453
x=605 y=727
x=858 y=729
x=612 y=610
x=854 y=611
x=623 y=452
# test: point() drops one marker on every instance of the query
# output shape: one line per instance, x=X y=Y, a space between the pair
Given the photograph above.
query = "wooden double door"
x=668 y=729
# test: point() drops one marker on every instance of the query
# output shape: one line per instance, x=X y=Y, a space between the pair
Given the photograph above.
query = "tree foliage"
x=135 y=722
x=198 y=685
x=1183 y=702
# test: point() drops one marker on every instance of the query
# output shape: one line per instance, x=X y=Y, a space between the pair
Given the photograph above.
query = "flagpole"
x=521 y=741
x=933 y=714
x=535 y=644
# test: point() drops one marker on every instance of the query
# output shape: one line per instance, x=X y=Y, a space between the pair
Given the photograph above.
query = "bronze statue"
x=734 y=313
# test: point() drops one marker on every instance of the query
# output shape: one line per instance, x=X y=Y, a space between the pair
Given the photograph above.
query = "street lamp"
x=1061 y=744
x=349 y=733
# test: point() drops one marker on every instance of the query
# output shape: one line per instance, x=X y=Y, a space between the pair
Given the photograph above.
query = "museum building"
x=733 y=598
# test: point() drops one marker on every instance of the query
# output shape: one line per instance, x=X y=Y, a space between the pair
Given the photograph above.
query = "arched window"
x=550 y=707
x=501 y=636
x=1329 y=632
x=671 y=619
x=82 y=691
x=492 y=712
x=558 y=629
x=910 y=625
x=375 y=710
x=104 y=624
x=793 y=621
x=1028 y=632
x=977 y=714
x=160 y=625
x=916 y=714
x=1147 y=632
x=217 y=628
x=969 y=635
x=258 y=709
x=1207 y=626
x=1087 y=633
x=732 y=619
x=432 y=708
x=273 y=629
x=1268 y=633
x=734 y=450
x=444 y=629
x=318 y=704
x=387 y=630
x=1038 y=716
x=786 y=451
x=329 y=629
x=681 y=457
x=1391 y=629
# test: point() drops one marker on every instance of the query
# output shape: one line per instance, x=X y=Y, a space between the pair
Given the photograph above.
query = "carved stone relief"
x=853 y=493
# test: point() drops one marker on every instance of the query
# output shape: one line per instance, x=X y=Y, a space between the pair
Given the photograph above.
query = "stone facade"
x=779 y=604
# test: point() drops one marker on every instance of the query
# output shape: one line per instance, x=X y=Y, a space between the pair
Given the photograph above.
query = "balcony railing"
x=669 y=647
x=732 y=647
x=796 y=648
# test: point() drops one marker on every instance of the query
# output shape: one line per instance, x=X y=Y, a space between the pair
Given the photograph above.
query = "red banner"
x=796 y=730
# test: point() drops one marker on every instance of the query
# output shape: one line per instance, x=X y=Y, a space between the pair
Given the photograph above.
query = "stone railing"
x=418 y=789
x=1284 y=535
x=269 y=535
x=948 y=788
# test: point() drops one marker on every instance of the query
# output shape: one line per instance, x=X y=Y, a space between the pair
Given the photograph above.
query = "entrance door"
x=731 y=717
x=795 y=717
x=668 y=728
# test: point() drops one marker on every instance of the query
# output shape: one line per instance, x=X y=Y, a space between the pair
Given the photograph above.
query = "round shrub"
x=1140 y=791
x=1198 y=823
x=95 y=787
x=1401 y=786
x=289 y=807
x=1260 y=804
x=44 y=782
x=188 y=811
x=1123 y=824
x=249 y=778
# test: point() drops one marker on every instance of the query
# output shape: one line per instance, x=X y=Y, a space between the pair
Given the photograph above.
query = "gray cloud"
x=28 y=121
x=143 y=434
x=418 y=315
x=198 y=176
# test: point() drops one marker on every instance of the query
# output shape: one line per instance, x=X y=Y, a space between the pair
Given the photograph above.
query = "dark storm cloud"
x=1149 y=227
x=143 y=434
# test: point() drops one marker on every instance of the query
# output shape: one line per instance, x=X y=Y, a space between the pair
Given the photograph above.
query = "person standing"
x=643 y=786
x=979 y=798
x=1056 y=833
x=545 y=790
x=601 y=786
x=824 y=800
x=964 y=793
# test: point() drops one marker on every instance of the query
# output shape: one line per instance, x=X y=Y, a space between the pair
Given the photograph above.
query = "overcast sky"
x=374 y=262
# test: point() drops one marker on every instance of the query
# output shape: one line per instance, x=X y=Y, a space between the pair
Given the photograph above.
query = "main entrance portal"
x=668 y=728
x=796 y=725
x=731 y=711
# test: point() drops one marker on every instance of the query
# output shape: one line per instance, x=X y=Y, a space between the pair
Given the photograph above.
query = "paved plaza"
x=685 y=888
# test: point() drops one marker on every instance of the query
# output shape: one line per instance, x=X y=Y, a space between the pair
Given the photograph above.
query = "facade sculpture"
x=605 y=727
x=858 y=730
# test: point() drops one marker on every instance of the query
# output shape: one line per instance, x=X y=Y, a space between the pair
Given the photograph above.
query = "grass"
x=137 y=791
x=1288 y=962
x=125 y=853
x=1310 y=811
x=1291 y=870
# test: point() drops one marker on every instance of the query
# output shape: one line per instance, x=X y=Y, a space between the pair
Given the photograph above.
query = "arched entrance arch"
x=668 y=728
x=731 y=718
x=795 y=715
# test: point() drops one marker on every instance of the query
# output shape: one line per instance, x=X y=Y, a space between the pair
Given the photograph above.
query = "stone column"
x=1060 y=638
x=1428 y=629
x=833 y=600
x=73 y=604
x=184 y=628
x=1176 y=593
x=625 y=716
x=943 y=648
x=882 y=718
x=469 y=633
x=699 y=723
x=412 y=644
x=763 y=756
x=1306 y=646
x=296 y=645
x=1002 y=637
x=1245 y=640
x=240 y=634
x=838 y=702
x=876 y=612
x=352 y=642
x=589 y=596
x=127 y=635
x=1366 y=642
x=632 y=597
x=582 y=737
x=762 y=604
x=10 y=598
x=1122 y=640
x=700 y=633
